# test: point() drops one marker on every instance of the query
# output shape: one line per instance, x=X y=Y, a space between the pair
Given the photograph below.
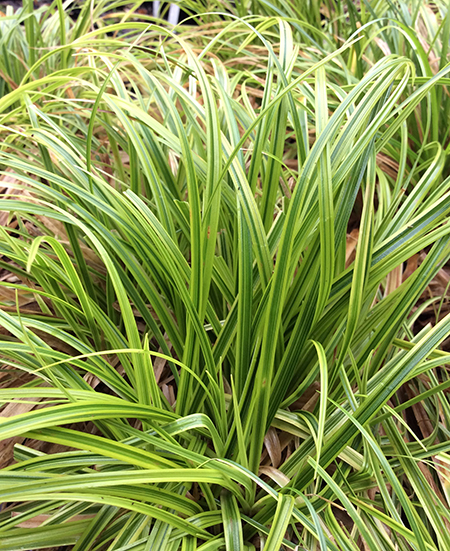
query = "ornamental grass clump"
x=204 y=357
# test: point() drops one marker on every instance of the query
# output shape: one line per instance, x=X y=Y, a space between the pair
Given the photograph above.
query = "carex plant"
x=179 y=226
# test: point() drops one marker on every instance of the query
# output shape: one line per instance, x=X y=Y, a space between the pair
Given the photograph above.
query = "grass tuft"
x=216 y=245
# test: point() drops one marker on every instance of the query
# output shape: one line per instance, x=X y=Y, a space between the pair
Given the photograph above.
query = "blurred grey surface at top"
x=173 y=14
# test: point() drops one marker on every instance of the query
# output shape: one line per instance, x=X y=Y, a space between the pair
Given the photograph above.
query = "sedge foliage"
x=178 y=205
